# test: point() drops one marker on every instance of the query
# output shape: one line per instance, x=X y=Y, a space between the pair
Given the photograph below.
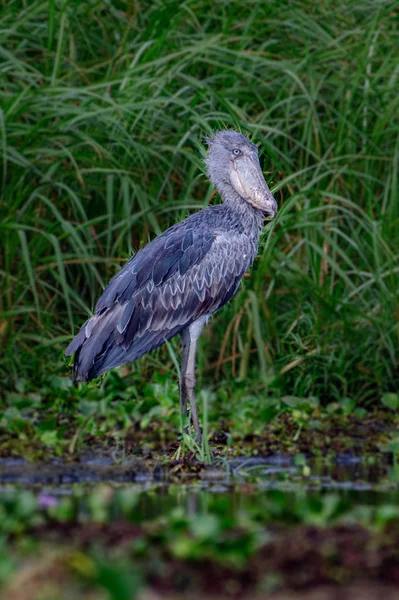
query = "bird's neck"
x=250 y=218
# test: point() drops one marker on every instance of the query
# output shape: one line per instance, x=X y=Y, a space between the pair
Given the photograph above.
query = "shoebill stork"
x=178 y=280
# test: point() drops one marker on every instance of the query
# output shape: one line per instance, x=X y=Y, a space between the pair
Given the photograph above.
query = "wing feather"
x=187 y=272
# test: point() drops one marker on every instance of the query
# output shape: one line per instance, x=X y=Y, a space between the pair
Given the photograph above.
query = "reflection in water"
x=239 y=484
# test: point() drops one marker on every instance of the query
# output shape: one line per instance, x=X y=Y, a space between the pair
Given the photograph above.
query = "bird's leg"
x=183 y=387
x=190 y=338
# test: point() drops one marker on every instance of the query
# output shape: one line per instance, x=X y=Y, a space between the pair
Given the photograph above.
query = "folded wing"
x=183 y=274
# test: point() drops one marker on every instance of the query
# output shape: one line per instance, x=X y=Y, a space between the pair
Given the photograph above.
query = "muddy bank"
x=314 y=517
x=314 y=432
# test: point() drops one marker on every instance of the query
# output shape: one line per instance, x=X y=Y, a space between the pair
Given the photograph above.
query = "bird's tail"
x=92 y=342
x=99 y=345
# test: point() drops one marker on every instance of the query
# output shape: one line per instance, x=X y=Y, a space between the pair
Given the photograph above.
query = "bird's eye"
x=236 y=152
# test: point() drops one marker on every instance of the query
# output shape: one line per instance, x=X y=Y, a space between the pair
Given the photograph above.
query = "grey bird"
x=178 y=280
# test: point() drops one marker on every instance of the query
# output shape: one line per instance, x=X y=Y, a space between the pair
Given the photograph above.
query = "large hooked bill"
x=248 y=181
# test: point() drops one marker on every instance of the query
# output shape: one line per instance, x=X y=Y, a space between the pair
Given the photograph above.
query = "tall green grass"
x=103 y=109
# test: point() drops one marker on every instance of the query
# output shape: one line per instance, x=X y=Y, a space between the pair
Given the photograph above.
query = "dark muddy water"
x=242 y=480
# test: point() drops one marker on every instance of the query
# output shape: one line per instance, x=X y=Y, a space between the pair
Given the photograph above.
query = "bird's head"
x=233 y=164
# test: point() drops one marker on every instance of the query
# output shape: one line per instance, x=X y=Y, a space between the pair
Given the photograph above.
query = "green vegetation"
x=103 y=111
x=114 y=543
x=104 y=106
x=126 y=418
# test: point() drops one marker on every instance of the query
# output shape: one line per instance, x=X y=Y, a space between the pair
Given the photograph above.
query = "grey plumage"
x=185 y=274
